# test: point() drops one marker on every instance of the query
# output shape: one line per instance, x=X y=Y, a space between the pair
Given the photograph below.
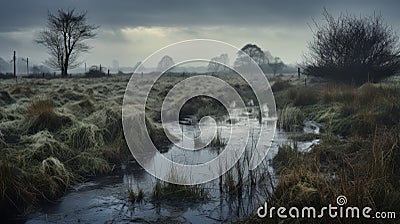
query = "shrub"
x=303 y=96
x=280 y=85
x=353 y=50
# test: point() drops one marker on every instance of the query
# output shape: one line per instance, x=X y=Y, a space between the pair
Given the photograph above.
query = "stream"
x=105 y=199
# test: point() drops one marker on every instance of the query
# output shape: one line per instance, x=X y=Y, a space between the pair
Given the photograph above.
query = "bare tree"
x=276 y=65
x=353 y=49
x=254 y=52
x=64 y=37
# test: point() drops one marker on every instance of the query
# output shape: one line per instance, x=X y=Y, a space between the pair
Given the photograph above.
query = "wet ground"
x=105 y=199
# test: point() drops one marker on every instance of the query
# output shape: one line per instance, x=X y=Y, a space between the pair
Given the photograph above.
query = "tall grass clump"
x=109 y=121
x=84 y=136
x=217 y=141
x=89 y=164
x=303 y=96
x=42 y=145
x=280 y=85
x=176 y=192
x=55 y=177
x=135 y=197
x=290 y=118
x=42 y=115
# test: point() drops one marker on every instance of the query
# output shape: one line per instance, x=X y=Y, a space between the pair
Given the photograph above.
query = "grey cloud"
x=20 y=14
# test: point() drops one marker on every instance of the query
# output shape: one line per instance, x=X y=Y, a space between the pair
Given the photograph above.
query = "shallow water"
x=105 y=199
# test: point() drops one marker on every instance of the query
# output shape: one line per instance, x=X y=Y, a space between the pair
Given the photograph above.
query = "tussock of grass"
x=140 y=195
x=87 y=164
x=280 y=85
x=303 y=96
x=5 y=98
x=11 y=179
x=84 y=136
x=133 y=197
x=284 y=158
x=217 y=141
x=42 y=145
x=42 y=115
x=290 y=118
x=176 y=192
x=109 y=120
x=58 y=178
x=23 y=90
x=164 y=190
x=82 y=108
x=39 y=106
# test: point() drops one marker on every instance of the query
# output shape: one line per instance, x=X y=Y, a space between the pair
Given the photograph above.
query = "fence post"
x=298 y=73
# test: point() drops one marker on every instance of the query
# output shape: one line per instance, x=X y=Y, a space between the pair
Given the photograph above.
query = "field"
x=59 y=132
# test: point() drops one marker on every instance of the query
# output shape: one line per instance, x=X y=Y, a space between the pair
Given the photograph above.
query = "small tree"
x=165 y=63
x=352 y=49
x=254 y=52
x=64 y=37
x=276 y=65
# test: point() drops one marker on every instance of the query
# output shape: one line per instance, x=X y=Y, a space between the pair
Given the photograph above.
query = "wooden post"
x=15 y=70
x=305 y=81
x=85 y=67
x=108 y=72
x=298 y=72
x=27 y=66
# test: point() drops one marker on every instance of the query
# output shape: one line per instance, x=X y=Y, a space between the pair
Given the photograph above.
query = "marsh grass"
x=42 y=145
x=365 y=170
x=39 y=106
x=42 y=115
x=89 y=164
x=132 y=195
x=84 y=136
x=55 y=136
x=343 y=109
x=280 y=85
x=140 y=195
x=176 y=192
x=83 y=108
x=218 y=141
x=290 y=118
x=56 y=175
x=362 y=164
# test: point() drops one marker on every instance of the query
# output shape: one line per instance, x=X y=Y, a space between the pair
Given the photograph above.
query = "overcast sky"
x=131 y=30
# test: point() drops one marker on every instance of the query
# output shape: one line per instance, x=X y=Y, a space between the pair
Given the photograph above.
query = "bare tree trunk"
x=65 y=68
